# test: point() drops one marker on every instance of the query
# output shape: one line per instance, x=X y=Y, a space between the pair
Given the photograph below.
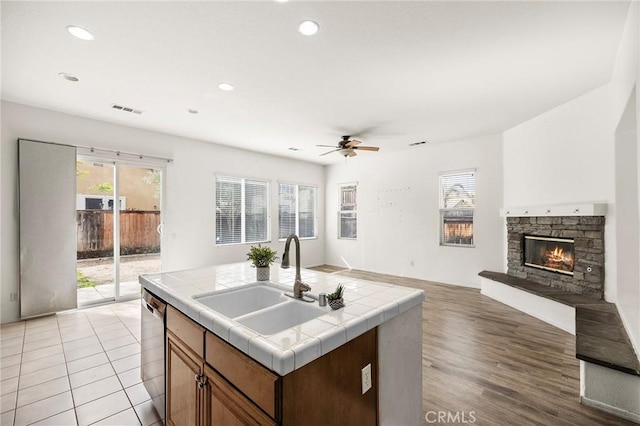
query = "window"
x=457 y=206
x=297 y=211
x=242 y=210
x=348 y=216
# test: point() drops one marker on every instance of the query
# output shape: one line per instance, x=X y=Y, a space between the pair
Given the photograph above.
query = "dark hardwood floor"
x=487 y=362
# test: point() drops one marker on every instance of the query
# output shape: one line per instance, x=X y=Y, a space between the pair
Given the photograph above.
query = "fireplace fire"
x=549 y=253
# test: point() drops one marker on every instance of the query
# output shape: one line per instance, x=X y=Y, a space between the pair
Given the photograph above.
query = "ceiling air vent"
x=126 y=109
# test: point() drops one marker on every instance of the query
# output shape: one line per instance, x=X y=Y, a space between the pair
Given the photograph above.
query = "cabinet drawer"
x=185 y=329
x=225 y=406
x=258 y=383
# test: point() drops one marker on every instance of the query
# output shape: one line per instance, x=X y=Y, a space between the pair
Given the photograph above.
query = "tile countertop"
x=367 y=305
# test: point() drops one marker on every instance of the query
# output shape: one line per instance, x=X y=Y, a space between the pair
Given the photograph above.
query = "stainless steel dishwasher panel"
x=152 y=365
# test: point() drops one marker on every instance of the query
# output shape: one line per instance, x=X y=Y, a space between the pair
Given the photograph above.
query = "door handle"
x=160 y=229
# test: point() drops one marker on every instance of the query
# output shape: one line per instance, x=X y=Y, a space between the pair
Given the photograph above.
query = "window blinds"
x=458 y=190
x=457 y=208
x=296 y=211
x=242 y=210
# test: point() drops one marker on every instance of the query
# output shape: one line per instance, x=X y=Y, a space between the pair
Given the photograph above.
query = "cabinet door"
x=226 y=406
x=183 y=389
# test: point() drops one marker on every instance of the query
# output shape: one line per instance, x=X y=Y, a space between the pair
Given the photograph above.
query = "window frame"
x=297 y=210
x=243 y=222
x=342 y=211
x=464 y=211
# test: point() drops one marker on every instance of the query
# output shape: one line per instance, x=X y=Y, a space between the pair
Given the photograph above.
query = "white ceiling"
x=395 y=72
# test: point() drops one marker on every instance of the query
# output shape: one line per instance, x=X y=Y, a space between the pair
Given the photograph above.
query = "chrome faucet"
x=298 y=286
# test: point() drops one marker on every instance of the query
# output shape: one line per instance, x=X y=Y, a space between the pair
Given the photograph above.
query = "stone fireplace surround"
x=588 y=235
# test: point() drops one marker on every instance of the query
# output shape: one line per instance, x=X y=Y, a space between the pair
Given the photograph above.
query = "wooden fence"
x=138 y=233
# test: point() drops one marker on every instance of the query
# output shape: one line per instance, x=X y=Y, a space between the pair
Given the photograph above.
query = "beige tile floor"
x=75 y=368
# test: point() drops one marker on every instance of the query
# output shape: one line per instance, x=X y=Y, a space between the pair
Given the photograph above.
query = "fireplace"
x=565 y=252
x=549 y=253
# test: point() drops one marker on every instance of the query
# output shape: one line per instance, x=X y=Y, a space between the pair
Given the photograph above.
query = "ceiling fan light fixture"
x=79 y=32
x=308 y=28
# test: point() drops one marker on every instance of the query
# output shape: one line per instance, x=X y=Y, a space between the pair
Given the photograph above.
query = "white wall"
x=626 y=88
x=567 y=154
x=398 y=217
x=190 y=185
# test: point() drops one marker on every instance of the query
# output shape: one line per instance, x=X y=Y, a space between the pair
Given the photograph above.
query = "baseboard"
x=627 y=415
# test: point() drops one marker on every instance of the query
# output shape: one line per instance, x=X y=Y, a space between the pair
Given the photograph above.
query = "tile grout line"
x=58 y=326
x=64 y=355
x=114 y=370
x=110 y=364
x=15 y=405
x=20 y=369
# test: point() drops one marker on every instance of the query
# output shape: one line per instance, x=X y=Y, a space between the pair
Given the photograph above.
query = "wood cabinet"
x=184 y=368
x=185 y=361
x=259 y=384
x=209 y=382
x=224 y=405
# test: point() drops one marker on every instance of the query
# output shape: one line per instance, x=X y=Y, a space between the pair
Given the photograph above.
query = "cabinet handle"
x=201 y=379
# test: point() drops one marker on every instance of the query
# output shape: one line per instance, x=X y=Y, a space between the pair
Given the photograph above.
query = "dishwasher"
x=152 y=369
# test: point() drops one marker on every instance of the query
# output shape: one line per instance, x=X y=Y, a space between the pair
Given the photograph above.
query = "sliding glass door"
x=95 y=186
x=119 y=225
x=140 y=226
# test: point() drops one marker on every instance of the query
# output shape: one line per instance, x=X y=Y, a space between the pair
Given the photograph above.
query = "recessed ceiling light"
x=193 y=111
x=225 y=86
x=80 y=32
x=308 y=28
x=68 y=76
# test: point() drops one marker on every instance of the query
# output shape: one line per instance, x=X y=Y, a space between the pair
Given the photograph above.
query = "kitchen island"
x=363 y=361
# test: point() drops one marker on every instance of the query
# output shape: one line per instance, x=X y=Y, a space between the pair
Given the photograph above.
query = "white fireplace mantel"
x=575 y=209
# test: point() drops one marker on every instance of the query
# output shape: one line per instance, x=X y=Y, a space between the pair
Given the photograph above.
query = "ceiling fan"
x=347 y=147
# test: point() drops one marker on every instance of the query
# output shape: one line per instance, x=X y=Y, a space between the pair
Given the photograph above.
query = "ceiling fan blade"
x=328 y=146
x=367 y=148
x=352 y=143
x=329 y=152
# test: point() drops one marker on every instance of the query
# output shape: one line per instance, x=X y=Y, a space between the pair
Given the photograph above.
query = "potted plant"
x=335 y=299
x=262 y=258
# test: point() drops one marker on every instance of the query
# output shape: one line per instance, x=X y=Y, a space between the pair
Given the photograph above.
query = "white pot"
x=263 y=273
